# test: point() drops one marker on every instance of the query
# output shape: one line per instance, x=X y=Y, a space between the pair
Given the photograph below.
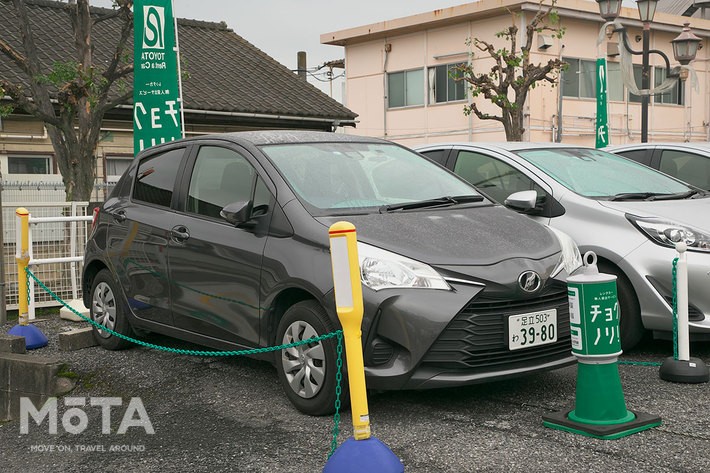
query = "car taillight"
x=96 y=217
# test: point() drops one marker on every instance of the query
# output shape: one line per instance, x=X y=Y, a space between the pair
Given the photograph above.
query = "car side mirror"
x=237 y=213
x=523 y=200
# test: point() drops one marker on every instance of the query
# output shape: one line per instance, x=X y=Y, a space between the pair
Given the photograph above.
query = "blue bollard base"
x=678 y=371
x=356 y=456
x=34 y=338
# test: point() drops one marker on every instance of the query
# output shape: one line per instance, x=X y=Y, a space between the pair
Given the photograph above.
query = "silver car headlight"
x=668 y=233
x=381 y=269
x=570 y=258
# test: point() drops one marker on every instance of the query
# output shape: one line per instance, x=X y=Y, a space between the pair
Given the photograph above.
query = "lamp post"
x=685 y=46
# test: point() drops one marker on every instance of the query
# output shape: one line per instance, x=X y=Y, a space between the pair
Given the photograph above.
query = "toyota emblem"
x=529 y=281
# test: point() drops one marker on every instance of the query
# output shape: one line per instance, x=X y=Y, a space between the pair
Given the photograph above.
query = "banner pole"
x=179 y=71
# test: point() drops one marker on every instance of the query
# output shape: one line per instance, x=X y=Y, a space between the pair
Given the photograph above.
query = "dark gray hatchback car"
x=223 y=241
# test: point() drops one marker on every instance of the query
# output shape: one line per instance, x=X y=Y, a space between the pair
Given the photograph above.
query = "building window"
x=28 y=165
x=579 y=78
x=405 y=88
x=614 y=82
x=673 y=96
x=443 y=86
x=638 y=79
x=116 y=166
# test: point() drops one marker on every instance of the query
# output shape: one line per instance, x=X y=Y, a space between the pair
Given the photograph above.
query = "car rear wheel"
x=631 y=327
x=308 y=372
x=107 y=309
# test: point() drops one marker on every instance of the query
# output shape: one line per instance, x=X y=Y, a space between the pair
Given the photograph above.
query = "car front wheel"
x=308 y=372
x=631 y=328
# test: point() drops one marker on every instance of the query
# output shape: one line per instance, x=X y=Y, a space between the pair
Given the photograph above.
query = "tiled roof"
x=674 y=7
x=226 y=72
x=681 y=7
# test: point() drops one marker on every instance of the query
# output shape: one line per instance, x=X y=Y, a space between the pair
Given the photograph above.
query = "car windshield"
x=594 y=173
x=383 y=176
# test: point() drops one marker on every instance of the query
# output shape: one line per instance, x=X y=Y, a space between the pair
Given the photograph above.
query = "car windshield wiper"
x=438 y=202
x=678 y=196
x=637 y=196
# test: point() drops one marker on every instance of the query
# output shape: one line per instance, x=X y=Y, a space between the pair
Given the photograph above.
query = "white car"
x=628 y=214
x=689 y=162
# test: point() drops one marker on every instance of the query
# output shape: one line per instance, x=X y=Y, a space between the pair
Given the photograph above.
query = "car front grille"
x=476 y=339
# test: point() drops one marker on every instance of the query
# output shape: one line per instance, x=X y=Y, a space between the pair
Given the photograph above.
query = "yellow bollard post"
x=348 y=301
x=22 y=256
x=34 y=338
x=362 y=452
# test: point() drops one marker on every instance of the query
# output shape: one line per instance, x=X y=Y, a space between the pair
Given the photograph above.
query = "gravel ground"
x=230 y=414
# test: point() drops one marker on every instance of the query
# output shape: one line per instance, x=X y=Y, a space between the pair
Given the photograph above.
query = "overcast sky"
x=281 y=28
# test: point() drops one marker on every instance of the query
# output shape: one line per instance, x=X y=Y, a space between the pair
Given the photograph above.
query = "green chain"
x=254 y=351
x=338 y=391
x=640 y=363
x=27 y=272
x=675 y=308
x=675 y=325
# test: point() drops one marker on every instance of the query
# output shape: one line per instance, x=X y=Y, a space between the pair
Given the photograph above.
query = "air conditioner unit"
x=544 y=41
x=612 y=49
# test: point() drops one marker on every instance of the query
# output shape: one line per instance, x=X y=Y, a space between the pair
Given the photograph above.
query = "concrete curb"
x=76 y=304
x=12 y=343
x=77 y=339
x=34 y=377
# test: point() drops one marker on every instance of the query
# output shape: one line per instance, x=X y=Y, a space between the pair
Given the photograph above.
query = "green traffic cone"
x=600 y=410
x=596 y=405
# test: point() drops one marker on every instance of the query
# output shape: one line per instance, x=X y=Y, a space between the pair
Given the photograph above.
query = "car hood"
x=455 y=236
x=692 y=212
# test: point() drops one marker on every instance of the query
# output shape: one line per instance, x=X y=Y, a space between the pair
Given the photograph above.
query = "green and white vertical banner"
x=602 y=134
x=157 y=98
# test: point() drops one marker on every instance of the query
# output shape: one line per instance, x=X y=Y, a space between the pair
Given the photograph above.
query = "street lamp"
x=609 y=9
x=685 y=46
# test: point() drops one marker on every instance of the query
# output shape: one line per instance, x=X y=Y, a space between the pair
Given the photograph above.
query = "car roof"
x=269 y=137
x=505 y=145
x=266 y=137
x=699 y=145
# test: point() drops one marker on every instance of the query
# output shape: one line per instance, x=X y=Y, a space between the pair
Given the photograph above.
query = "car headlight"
x=570 y=258
x=667 y=233
x=381 y=269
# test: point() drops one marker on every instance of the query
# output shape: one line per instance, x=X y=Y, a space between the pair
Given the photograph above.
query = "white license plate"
x=533 y=329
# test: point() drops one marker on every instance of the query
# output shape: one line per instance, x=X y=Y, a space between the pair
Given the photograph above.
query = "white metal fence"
x=57 y=239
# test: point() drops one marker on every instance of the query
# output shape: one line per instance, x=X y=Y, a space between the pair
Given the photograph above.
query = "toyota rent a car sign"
x=156 y=92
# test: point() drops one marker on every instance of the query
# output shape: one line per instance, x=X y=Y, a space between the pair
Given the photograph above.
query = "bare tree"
x=512 y=77
x=71 y=97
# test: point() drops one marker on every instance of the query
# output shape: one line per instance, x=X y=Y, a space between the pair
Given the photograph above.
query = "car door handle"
x=179 y=233
x=119 y=215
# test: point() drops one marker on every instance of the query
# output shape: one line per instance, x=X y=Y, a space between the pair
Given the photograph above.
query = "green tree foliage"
x=70 y=97
x=512 y=77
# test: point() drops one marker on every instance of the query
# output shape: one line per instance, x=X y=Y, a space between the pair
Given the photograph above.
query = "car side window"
x=155 y=178
x=437 y=155
x=689 y=167
x=262 y=198
x=639 y=155
x=494 y=177
x=220 y=177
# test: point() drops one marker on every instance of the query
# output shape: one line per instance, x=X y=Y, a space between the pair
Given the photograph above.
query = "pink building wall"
x=440 y=37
